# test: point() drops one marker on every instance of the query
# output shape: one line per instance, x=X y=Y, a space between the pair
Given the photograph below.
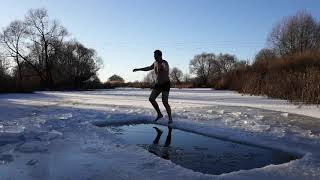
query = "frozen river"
x=54 y=135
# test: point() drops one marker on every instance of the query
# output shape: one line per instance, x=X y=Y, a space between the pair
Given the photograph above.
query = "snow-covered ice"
x=57 y=135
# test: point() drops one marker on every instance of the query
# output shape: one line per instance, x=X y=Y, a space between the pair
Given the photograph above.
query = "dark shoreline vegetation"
x=294 y=78
x=288 y=69
x=37 y=57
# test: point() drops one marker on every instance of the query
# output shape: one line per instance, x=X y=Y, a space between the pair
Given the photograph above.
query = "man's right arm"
x=148 y=68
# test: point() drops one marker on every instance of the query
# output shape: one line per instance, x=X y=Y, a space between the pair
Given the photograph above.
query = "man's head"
x=157 y=55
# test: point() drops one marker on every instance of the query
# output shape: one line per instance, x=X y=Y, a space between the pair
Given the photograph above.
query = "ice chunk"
x=47 y=136
x=108 y=116
x=260 y=127
x=100 y=123
x=209 y=111
x=15 y=129
x=220 y=111
x=258 y=117
x=236 y=114
x=32 y=162
x=284 y=114
x=279 y=132
x=56 y=132
x=65 y=116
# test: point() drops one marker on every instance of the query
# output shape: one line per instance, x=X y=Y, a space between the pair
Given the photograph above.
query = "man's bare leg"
x=154 y=94
x=165 y=97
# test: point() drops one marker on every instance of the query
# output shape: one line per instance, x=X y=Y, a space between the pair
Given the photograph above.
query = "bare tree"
x=264 y=56
x=202 y=66
x=295 y=34
x=116 y=78
x=224 y=63
x=38 y=46
x=44 y=34
x=176 y=75
x=12 y=39
x=76 y=63
x=34 y=41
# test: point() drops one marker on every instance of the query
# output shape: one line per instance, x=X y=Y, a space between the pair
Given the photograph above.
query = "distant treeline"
x=289 y=68
x=34 y=54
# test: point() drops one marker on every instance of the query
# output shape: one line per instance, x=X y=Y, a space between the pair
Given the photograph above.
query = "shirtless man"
x=162 y=85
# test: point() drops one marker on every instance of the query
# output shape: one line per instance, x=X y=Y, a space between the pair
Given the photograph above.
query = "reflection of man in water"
x=164 y=151
x=162 y=85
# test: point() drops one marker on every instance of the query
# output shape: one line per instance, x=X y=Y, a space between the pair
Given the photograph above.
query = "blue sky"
x=126 y=32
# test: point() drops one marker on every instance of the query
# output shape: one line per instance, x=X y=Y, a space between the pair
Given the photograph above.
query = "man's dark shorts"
x=162 y=87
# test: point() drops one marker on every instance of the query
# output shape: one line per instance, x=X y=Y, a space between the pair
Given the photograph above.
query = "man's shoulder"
x=165 y=61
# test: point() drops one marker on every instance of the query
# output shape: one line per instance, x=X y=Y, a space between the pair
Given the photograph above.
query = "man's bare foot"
x=158 y=117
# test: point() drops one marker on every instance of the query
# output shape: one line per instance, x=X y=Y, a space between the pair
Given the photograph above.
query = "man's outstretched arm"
x=148 y=68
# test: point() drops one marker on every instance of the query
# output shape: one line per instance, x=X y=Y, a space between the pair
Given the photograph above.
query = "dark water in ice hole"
x=197 y=152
